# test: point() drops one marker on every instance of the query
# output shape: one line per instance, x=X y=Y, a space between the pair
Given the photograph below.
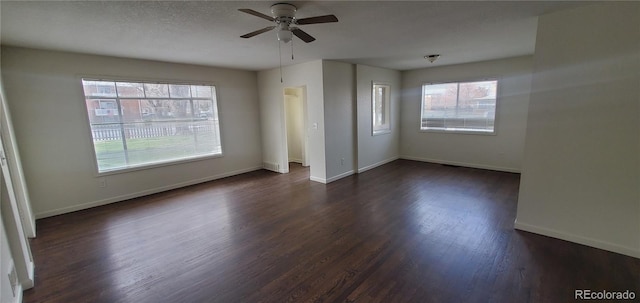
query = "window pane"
x=129 y=89
x=135 y=129
x=161 y=140
x=179 y=91
x=204 y=109
x=154 y=90
x=208 y=131
x=378 y=106
x=102 y=110
x=164 y=109
x=468 y=106
x=132 y=110
x=440 y=97
x=200 y=91
x=109 y=147
x=99 y=88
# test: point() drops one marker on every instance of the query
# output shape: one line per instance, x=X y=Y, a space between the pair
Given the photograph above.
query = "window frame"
x=386 y=109
x=464 y=131
x=133 y=168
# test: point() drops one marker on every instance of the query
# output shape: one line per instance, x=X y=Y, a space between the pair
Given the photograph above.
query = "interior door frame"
x=305 y=126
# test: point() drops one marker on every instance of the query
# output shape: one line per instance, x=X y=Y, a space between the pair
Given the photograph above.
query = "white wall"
x=581 y=170
x=502 y=151
x=376 y=150
x=272 y=120
x=45 y=97
x=295 y=126
x=339 y=116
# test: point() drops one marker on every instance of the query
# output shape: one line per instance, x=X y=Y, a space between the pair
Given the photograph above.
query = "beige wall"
x=45 y=97
x=329 y=94
x=272 y=120
x=581 y=170
x=376 y=150
x=502 y=151
x=339 y=118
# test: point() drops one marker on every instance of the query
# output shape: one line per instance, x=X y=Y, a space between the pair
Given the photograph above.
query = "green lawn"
x=111 y=154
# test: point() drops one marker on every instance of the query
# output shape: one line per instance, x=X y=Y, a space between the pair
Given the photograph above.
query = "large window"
x=136 y=124
x=459 y=107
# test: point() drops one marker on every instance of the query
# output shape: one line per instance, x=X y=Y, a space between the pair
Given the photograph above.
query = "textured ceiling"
x=391 y=34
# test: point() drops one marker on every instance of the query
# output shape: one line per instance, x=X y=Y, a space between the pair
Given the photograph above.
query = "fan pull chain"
x=292 y=49
x=280 y=57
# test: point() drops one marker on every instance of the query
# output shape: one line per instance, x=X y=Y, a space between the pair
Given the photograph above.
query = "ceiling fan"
x=284 y=16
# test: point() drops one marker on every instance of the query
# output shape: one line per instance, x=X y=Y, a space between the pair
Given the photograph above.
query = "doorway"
x=295 y=113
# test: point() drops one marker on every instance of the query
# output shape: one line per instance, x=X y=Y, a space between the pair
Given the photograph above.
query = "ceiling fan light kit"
x=432 y=58
x=284 y=35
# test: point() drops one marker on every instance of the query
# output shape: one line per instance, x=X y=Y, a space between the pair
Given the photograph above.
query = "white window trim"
x=387 y=109
x=133 y=168
x=463 y=131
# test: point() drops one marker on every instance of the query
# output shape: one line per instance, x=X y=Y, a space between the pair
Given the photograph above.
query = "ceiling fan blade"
x=257 y=14
x=258 y=32
x=318 y=19
x=302 y=35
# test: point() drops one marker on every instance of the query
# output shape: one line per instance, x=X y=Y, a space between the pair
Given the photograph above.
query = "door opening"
x=295 y=113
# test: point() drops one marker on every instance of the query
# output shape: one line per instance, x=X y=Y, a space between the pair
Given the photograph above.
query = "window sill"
x=156 y=165
x=458 y=132
x=381 y=132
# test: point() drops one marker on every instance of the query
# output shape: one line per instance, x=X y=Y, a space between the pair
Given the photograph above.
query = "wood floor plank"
x=404 y=232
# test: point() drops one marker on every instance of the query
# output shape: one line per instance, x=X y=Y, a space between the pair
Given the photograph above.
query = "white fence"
x=109 y=132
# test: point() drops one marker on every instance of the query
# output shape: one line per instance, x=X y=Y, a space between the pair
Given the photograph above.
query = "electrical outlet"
x=102 y=182
x=342 y=161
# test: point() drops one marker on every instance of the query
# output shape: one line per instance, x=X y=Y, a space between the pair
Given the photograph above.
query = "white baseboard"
x=334 y=178
x=18 y=296
x=465 y=164
x=30 y=280
x=321 y=180
x=383 y=162
x=628 y=251
x=340 y=176
x=295 y=160
x=82 y=206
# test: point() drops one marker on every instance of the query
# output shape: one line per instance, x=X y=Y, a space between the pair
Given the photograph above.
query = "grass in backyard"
x=111 y=154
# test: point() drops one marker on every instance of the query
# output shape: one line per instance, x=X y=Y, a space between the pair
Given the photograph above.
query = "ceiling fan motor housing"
x=284 y=14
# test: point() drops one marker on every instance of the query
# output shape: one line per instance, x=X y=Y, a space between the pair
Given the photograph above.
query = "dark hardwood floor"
x=404 y=232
